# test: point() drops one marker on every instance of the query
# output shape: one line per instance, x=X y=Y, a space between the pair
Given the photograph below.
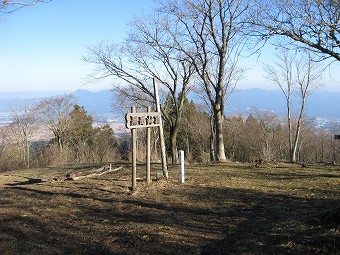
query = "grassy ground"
x=221 y=209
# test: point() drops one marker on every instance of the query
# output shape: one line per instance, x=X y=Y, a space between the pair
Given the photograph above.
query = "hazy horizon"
x=4 y=95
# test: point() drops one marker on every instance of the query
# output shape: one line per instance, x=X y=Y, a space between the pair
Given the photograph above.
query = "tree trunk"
x=220 y=152
x=28 y=154
x=173 y=144
x=60 y=144
x=293 y=152
x=290 y=131
x=212 y=147
x=155 y=144
x=298 y=130
x=212 y=139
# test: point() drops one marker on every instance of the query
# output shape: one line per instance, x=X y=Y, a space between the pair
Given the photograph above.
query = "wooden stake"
x=161 y=133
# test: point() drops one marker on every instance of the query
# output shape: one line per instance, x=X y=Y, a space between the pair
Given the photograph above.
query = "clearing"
x=221 y=209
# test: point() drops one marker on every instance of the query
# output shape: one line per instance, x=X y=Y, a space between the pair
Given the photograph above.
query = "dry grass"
x=221 y=209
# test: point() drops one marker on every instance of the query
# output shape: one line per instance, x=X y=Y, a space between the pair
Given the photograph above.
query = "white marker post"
x=148 y=152
x=134 y=153
x=181 y=166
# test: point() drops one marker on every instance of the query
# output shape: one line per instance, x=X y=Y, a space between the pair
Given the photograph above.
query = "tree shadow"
x=203 y=220
x=29 y=181
x=29 y=235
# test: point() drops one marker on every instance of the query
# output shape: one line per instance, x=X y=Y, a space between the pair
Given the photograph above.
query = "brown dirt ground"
x=221 y=209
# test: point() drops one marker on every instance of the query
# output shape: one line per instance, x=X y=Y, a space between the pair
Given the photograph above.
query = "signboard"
x=142 y=119
x=146 y=120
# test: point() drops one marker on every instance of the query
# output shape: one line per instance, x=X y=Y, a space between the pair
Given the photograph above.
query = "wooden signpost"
x=146 y=120
x=142 y=120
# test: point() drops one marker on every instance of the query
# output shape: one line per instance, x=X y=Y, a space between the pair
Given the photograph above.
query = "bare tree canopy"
x=212 y=34
x=22 y=128
x=312 y=23
x=292 y=73
x=54 y=112
x=8 y=6
x=185 y=38
x=148 y=51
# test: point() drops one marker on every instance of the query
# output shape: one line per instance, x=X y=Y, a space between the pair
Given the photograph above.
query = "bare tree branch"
x=8 y=6
x=294 y=72
x=147 y=52
x=211 y=33
x=313 y=24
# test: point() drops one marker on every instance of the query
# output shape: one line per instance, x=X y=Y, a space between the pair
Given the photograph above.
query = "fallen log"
x=95 y=172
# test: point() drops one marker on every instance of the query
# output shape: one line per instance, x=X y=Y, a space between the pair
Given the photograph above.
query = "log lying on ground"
x=94 y=172
x=81 y=174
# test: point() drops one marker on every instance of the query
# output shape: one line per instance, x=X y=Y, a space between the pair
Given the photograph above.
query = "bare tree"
x=335 y=130
x=55 y=113
x=316 y=143
x=268 y=124
x=22 y=128
x=281 y=73
x=209 y=32
x=8 y=6
x=3 y=140
x=235 y=140
x=311 y=23
x=147 y=52
x=294 y=74
x=308 y=77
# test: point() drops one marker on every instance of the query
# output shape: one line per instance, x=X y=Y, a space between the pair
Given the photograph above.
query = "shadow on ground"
x=99 y=216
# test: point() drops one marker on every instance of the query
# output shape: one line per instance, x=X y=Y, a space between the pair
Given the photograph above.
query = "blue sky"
x=41 y=46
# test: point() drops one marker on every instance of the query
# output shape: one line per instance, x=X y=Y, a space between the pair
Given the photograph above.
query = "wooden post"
x=161 y=134
x=135 y=120
x=148 y=152
x=134 y=153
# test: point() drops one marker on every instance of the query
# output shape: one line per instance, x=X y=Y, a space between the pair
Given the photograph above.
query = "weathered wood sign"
x=135 y=120
x=142 y=120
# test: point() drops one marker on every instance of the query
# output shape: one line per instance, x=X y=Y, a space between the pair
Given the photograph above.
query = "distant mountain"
x=15 y=100
x=320 y=103
x=96 y=103
x=323 y=104
x=30 y=94
x=94 y=100
x=251 y=100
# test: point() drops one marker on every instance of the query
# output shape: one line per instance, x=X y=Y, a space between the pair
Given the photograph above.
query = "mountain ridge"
x=321 y=103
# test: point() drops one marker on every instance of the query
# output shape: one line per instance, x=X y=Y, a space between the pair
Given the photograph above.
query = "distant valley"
x=321 y=105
